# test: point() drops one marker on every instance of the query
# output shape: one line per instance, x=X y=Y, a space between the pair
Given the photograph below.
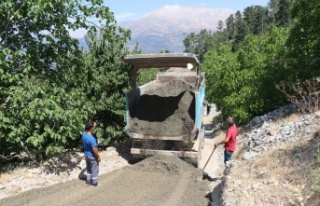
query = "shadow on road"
x=215 y=196
x=83 y=176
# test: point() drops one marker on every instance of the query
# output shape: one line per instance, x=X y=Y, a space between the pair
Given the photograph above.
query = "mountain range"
x=165 y=28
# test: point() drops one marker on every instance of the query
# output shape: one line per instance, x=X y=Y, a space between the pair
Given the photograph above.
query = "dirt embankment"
x=159 y=180
x=165 y=110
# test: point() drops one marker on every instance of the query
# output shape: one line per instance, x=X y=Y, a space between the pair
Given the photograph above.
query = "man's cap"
x=229 y=120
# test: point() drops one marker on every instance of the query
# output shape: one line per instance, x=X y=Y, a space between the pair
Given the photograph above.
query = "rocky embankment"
x=273 y=166
x=282 y=125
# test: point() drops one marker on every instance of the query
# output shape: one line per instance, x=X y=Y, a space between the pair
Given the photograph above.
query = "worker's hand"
x=99 y=159
x=215 y=144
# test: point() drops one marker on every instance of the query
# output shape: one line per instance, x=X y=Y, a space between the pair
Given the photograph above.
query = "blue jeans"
x=227 y=155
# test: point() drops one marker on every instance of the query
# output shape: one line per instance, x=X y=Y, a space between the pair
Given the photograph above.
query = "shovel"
x=205 y=175
x=209 y=158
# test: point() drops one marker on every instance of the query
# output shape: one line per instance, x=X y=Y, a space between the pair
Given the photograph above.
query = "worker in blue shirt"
x=92 y=157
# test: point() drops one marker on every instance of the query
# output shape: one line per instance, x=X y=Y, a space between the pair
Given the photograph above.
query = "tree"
x=44 y=102
x=248 y=17
x=230 y=27
x=220 y=26
x=190 y=42
x=282 y=16
x=104 y=80
x=198 y=43
x=220 y=65
x=304 y=39
x=238 y=20
x=273 y=7
x=243 y=82
x=276 y=66
x=256 y=18
x=241 y=30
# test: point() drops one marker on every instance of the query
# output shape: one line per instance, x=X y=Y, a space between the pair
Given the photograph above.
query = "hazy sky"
x=125 y=10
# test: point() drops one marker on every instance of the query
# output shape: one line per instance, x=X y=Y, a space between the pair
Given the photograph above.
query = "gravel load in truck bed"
x=167 y=109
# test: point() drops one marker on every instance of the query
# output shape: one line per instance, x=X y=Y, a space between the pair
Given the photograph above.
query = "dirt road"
x=154 y=181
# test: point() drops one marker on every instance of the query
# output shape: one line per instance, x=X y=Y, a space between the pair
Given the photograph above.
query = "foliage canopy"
x=49 y=87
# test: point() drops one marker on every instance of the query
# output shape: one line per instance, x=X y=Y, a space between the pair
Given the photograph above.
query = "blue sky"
x=125 y=10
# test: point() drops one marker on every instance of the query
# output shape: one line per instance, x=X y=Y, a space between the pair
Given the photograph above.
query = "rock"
x=286 y=184
x=285 y=130
x=299 y=124
x=272 y=131
x=256 y=122
x=271 y=182
x=261 y=174
x=36 y=171
x=317 y=114
x=265 y=125
x=312 y=154
x=2 y=187
x=247 y=155
x=111 y=149
x=308 y=130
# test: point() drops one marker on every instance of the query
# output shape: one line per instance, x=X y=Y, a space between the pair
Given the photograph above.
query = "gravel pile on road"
x=159 y=180
x=165 y=110
x=171 y=165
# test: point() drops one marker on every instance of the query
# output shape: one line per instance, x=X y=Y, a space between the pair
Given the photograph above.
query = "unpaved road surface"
x=155 y=181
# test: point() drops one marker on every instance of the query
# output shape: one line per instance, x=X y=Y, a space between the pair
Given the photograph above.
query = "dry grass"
x=8 y=176
x=290 y=118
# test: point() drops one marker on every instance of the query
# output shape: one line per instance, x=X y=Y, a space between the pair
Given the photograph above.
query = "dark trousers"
x=208 y=109
x=227 y=155
x=92 y=170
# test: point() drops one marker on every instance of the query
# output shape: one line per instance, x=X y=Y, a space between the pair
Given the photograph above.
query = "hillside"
x=277 y=162
x=166 y=27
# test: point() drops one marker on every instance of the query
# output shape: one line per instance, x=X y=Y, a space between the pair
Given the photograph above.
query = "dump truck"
x=165 y=116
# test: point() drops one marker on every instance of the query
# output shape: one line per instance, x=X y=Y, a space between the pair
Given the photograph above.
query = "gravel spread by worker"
x=166 y=109
x=158 y=180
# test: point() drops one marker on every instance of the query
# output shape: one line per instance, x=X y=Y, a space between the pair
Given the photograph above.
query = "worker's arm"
x=95 y=149
x=96 y=153
x=223 y=141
